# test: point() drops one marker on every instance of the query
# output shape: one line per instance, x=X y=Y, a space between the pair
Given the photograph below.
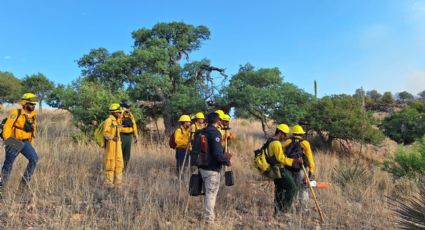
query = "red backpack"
x=172 y=141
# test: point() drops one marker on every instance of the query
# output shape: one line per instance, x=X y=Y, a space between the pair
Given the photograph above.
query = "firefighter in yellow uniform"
x=182 y=139
x=199 y=123
x=226 y=134
x=113 y=162
x=285 y=188
x=128 y=131
x=294 y=147
x=22 y=125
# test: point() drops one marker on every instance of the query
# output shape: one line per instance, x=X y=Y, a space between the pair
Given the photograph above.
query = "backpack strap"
x=14 y=123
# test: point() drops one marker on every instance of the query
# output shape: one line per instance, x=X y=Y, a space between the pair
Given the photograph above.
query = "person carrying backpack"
x=22 y=125
x=285 y=188
x=210 y=170
x=199 y=122
x=113 y=161
x=296 y=146
x=182 y=141
x=128 y=131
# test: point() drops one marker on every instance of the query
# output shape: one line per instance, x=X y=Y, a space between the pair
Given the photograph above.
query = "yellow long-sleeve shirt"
x=129 y=130
x=275 y=149
x=181 y=137
x=111 y=128
x=17 y=130
x=305 y=145
x=195 y=127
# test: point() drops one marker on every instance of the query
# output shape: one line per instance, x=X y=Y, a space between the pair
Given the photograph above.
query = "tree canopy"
x=10 y=88
x=38 y=84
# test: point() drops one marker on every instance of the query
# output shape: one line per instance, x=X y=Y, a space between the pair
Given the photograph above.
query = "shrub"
x=405 y=126
x=408 y=161
x=351 y=174
x=411 y=210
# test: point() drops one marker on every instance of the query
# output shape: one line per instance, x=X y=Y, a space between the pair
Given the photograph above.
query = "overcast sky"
x=342 y=44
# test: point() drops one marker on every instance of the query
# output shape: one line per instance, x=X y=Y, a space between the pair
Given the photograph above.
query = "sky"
x=343 y=45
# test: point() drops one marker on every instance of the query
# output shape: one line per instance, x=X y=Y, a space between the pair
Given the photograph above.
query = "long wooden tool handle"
x=226 y=148
x=322 y=218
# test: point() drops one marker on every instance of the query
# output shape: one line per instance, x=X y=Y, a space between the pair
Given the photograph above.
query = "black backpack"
x=3 y=122
x=295 y=150
x=127 y=122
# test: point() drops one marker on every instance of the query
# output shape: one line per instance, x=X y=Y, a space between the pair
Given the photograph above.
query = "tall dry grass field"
x=66 y=191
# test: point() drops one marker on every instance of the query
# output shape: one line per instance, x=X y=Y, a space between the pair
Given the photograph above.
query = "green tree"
x=87 y=102
x=404 y=126
x=342 y=117
x=374 y=95
x=261 y=94
x=422 y=95
x=152 y=73
x=387 y=98
x=38 y=84
x=405 y=96
x=10 y=88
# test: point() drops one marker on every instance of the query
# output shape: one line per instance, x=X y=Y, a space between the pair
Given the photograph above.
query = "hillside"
x=67 y=191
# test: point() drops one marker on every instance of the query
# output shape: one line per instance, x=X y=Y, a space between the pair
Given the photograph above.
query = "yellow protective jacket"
x=128 y=130
x=112 y=128
x=113 y=159
x=275 y=149
x=181 y=137
x=305 y=145
x=195 y=127
x=17 y=130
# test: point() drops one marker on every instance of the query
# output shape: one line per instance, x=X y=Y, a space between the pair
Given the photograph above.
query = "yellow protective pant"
x=113 y=164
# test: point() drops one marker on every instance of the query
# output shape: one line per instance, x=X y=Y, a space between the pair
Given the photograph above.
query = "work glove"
x=299 y=161
x=228 y=156
x=135 y=139
x=311 y=175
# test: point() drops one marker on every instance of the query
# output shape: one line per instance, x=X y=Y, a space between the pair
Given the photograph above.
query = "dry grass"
x=67 y=194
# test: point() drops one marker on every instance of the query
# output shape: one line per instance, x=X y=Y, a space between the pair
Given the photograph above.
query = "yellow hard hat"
x=219 y=112
x=283 y=127
x=115 y=107
x=297 y=129
x=225 y=117
x=200 y=115
x=184 y=118
x=29 y=98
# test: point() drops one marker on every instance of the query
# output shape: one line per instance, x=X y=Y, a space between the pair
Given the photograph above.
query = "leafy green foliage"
x=422 y=95
x=408 y=161
x=87 y=102
x=262 y=94
x=405 y=96
x=374 y=95
x=152 y=71
x=407 y=125
x=388 y=98
x=38 y=84
x=10 y=88
x=342 y=117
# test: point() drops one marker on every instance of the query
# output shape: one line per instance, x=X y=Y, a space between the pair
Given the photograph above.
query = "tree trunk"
x=40 y=106
x=170 y=123
x=263 y=126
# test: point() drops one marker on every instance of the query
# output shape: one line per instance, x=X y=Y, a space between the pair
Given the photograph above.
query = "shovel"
x=229 y=177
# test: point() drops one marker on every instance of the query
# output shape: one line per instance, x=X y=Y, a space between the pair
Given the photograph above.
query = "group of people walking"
x=287 y=147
